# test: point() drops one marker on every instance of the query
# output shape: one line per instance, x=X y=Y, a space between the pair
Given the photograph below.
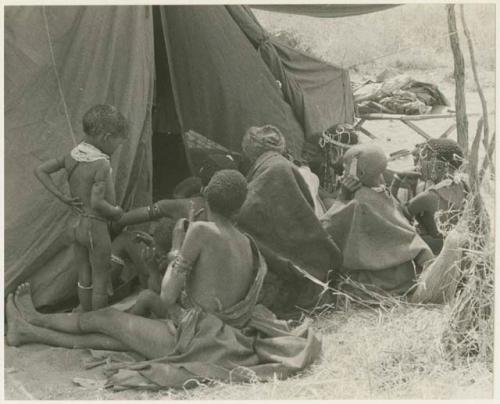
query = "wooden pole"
x=462 y=123
x=474 y=157
x=486 y=128
x=488 y=158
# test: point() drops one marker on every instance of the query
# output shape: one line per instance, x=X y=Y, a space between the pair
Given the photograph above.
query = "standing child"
x=92 y=196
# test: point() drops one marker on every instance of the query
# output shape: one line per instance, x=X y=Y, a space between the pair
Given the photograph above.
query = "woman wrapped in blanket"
x=381 y=249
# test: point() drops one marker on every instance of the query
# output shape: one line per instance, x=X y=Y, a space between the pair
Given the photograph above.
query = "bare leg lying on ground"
x=151 y=338
x=20 y=332
x=438 y=282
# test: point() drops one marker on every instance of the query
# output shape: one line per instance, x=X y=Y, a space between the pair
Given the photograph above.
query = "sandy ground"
x=41 y=372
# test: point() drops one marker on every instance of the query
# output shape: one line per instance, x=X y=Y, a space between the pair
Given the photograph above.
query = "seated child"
x=139 y=253
x=157 y=254
x=92 y=196
x=438 y=161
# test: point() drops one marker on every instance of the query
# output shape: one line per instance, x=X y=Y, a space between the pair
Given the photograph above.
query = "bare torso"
x=82 y=178
x=224 y=270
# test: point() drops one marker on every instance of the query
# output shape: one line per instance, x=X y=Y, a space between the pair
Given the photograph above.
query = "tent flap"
x=314 y=89
x=220 y=84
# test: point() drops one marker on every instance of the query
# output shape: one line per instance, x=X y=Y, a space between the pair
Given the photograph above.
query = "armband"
x=172 y=255
x=181 y=266
x=117 y=260
x=154 y=211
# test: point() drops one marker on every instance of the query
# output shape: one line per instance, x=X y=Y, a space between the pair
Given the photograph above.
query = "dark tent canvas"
x=169 y=69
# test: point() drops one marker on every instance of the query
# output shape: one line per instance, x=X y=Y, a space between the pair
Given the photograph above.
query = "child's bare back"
x=84 y=178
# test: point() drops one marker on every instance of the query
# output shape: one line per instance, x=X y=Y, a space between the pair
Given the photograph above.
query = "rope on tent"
x=61 y=93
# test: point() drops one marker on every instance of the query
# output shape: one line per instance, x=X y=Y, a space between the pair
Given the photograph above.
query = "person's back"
x=380 y=247
x=214 y=262
x=81 y=179
x=226 y=259
x=215 y=254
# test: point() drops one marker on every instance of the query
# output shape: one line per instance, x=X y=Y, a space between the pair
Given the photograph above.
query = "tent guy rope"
x=49 y=39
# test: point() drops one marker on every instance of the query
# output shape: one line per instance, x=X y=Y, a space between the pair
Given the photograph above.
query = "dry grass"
x=371 y=354
x=470 y=333
x=410 y=37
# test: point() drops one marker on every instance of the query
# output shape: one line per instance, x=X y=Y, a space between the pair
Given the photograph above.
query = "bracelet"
x=154 y=211
x=181 y=266
x=172 y=255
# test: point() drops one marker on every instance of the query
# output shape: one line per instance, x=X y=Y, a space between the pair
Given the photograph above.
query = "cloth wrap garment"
x=378 y=243
x=240 y=343
x=279 y=213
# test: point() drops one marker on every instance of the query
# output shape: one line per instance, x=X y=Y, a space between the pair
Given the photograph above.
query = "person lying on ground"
x=438 y=162
x=381 y=249
x=180 y=208
x=92 y=195
x=220 y=333
x=279 y=214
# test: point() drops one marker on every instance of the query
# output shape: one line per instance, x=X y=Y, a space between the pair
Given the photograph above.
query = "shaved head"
x=371 y=163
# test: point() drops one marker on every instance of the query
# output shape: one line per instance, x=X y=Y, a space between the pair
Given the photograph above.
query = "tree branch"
x=476 y=79
x=462 y=124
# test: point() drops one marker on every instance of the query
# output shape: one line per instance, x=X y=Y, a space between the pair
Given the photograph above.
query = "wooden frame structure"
x=408 y=120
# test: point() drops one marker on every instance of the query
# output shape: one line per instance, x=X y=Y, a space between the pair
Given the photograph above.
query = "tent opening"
x=169 y=157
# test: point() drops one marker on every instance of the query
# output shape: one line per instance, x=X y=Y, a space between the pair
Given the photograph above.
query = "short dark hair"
x=162 y=233
x=104 y=118
x=226 y=192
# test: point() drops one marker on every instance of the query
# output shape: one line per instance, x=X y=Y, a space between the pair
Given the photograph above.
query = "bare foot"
x=17 y=327
x=24 y=303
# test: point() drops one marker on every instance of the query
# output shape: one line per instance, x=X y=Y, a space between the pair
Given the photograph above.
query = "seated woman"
x=438 y=161
x=279 y=214
x=222 y=335
x=381 y=249
x=379 y=245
